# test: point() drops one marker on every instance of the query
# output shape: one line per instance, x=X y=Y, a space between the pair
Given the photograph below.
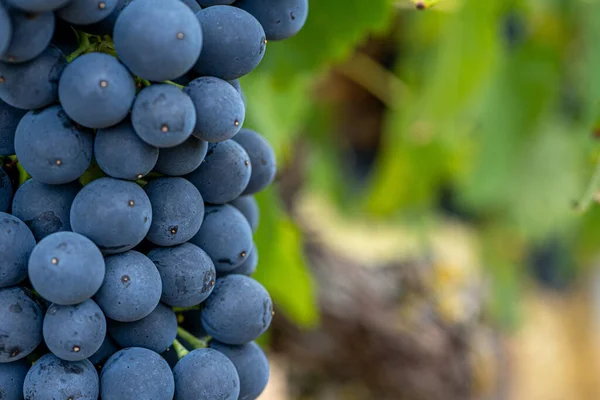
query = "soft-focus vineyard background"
x=426 y=215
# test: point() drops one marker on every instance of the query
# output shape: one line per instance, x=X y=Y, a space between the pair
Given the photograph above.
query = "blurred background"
x=434 y=230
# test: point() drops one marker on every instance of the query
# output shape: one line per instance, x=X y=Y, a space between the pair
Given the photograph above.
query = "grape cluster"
x=126 y=237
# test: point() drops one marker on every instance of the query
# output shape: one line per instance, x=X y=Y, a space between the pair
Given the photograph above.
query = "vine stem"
x=179 y=349
x=84 y=45
x=591 y=193
x=182 y=309
x=174 y=84
x=191 y=339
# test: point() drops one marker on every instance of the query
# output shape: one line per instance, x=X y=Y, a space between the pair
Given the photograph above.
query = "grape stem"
x=179 y=349
x=174 y=84
x=191 y=339
x=592 y=192
x=84 y=46
x=176 y=309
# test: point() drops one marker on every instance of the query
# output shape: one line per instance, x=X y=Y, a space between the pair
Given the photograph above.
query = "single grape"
x=187 y=273
x=85 y=12
x=225 y=236
x=51 y=148
x=5 y=30
x=114 y=214
x=155 y=332
x=120 y=153
x=224 y=174
x=158 y=39
x=249 y=207
x=105 y=351
x=21 y=328
x=45 y=208
x=136 y=373
x=220 y=111
x=74 y=333
x=6 y=191
x=9 y=120
x=37 y=6
x=238 y=311
x=281 y=19
x=34 y=84
x=12 y=376
x=132 y=287
x=96 y=90
x=66 y=268
x=182 y=159
x=31 y=35
x=251 y=364
x=262 y=159
x=234 y=42
x=206 y=374
x=16 y=245
x=53 y=378
x=248 y=267
x=177 y=211
x=163 y=116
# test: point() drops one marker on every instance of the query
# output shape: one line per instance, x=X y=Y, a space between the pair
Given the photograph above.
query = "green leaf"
x=281 y=267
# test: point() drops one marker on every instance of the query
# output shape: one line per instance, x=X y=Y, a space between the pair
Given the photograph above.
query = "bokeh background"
x=433 y=232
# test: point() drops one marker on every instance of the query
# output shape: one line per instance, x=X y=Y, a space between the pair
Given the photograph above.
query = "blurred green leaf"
x=281 y=267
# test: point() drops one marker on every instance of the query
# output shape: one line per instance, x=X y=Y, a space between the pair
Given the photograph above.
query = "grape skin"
x=31 y=35
x=21 y=329
x=16 y=244
x=248 y=206
x=183 y=159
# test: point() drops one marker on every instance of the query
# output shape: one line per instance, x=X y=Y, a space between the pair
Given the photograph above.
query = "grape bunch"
x=126 y=198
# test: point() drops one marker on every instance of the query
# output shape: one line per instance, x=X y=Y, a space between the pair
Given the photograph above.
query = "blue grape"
x=234 y=42
x=238 y=311
x=106 y=350
x=206 y=374
x=114 y=214
x=220 y=111
x=9 y=120
x=16 y=245
x=177 y=211
x=158 y=39
x=225 y=236
x=66 y=268
x=281 y=19
x=51 y=148
x=34 y=84
x=120 y=153
x=155 y=332
x=163 y=116
x=182 y=159
x=5 y=30
x=53 y=378
x=12 y=376
x=136 y=373
x=132 y=287
x=251 y=364
x=85 y=12
x=262 y=159
x=21 y=328
x=208 y=3
x=6 y=191
x=37 y=6
x=187 y=273
x=96 y=90
x=45 y=208
x=249 y=207
x=31 y=35
x=248 y=267
x=74 y=333
x=224 y=174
